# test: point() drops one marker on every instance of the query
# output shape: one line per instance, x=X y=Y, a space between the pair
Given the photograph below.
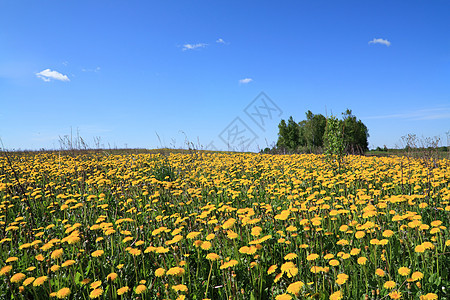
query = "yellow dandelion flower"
x=229 y=223
x=28 y=281
x=231 y=234
x=342 y=242
x=272 y=269
x=233 y=263
x=362 y=260
x=67 y=263
x=436 y=223
x=135 y=252
x=360 y=234
x=316 y=269
x=416 y=276
x=334 y=262
x=160 y=272
x=97 y=253
x=287 y=266
x=292 y=272
x=96 y=284
x=428 y=245
x=429 y=296
x=252 y=250
x=404 y=271
x=175 y=271
x=161 y=250
x=63 y=293
x=140 y=289
x=244 y=249
x=290 y=256
x=212 y=256
x=39 y=257
x=388 y=233
x=57 y=253
x=96 y=293
x=127 y=239
x=380 y=272
x=312 y=256
x=210 y=236
x=192 y=235
x=6 y=269
x=18 y=277
x=283 y=297
x=256 y=231
x=329 y=256
x=419 y=249
x=11 y=259
x=395 y=295
x=47 y=246
x=294 y=288
x=206 y=245
x=336 y=296
x=198 y=243
x=55 y=268
x=122 y=290
x=180 y=288
x=389 y=284
x=341 y=278
x=40 y=280
x=73 y=239
x=111 y=276
x=355 y=251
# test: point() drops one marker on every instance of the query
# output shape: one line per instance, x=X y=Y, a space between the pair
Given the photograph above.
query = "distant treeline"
x=308 y=136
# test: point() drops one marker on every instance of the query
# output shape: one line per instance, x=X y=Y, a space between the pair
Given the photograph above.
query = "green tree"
x=288 y=135
x=334 y=141
x=314 y=130
x=355 y=134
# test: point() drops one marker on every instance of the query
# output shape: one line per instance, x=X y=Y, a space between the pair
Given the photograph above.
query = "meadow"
x=223 y=226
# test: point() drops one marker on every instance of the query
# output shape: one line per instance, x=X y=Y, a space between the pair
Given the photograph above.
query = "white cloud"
x=220 y=41
x=91 y=70
x=245 y=80
x=194 y=46
x=48 y=75
x=380 y=41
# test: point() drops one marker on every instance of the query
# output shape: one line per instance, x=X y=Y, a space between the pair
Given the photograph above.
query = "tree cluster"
x=309 y=135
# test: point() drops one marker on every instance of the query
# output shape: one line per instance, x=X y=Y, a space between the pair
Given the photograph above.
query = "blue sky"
x=150 y=74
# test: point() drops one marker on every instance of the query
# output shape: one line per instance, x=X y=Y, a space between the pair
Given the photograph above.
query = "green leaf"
x=432 y=278
x=77 y=278
x=88 y=268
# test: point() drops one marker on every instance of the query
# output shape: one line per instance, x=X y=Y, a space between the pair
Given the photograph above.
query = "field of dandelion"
x=223 y=226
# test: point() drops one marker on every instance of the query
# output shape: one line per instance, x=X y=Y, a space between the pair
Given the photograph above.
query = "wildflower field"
x=223 y=226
